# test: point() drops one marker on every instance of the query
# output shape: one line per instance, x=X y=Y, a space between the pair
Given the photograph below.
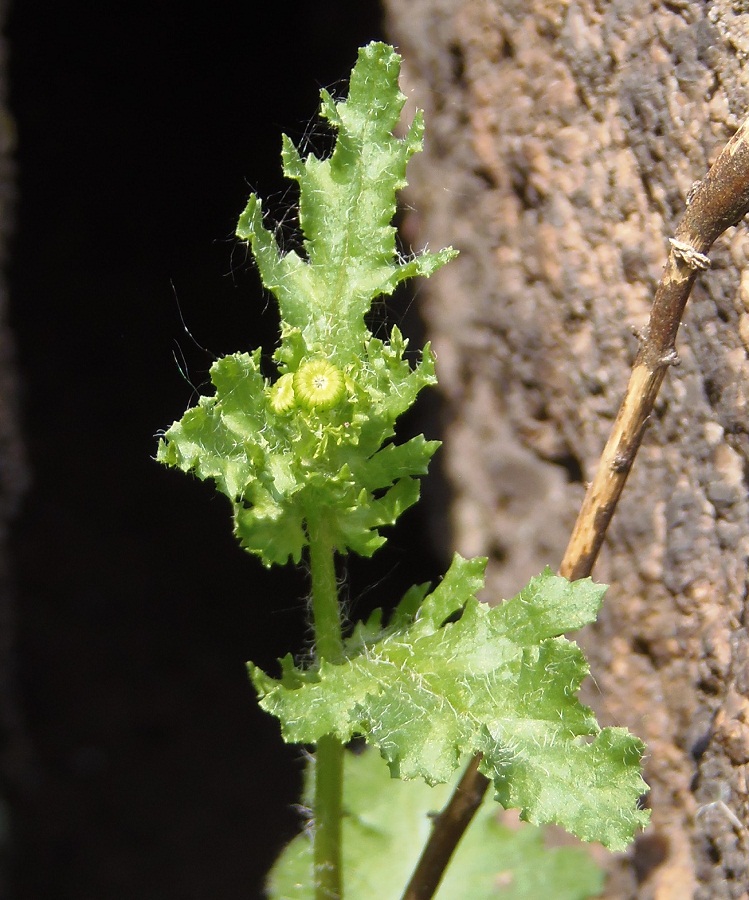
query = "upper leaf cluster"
x=315 y=439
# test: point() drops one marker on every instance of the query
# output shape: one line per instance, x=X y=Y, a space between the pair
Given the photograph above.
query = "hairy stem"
x=328 y=812
x=328 y=802
x=716 y=203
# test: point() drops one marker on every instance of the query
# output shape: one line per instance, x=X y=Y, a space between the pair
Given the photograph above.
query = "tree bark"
x=562 y=141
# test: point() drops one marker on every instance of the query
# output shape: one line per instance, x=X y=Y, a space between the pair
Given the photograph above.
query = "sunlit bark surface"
x=562 y=141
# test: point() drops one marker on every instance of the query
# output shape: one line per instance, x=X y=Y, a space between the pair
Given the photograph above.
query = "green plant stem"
x=328 y=811
x=326 y=617
x=326 y=612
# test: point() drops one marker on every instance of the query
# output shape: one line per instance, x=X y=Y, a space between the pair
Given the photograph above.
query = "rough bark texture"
x=562 y=140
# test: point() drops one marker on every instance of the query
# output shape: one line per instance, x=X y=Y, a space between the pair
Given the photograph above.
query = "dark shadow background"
x=142 y=128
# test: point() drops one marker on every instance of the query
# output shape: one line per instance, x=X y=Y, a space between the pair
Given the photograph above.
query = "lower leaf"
x=386 y=824
x=498 y=681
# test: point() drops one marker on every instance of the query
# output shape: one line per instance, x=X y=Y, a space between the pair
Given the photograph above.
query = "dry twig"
x=714 y=204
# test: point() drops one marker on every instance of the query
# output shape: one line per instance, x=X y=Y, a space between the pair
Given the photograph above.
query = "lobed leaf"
x=346 y=206
x=499 y=681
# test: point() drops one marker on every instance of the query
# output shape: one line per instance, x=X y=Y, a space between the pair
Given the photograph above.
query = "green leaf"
x=346 y=205
x=319 y=437
x=387 y=823
x=499 y=681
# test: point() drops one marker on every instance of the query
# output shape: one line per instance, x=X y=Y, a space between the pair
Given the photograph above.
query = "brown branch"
x=720 y=200
x=714 y=204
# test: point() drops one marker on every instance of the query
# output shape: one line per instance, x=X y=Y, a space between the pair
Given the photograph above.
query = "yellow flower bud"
x=281 y=395
x=318 y=384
